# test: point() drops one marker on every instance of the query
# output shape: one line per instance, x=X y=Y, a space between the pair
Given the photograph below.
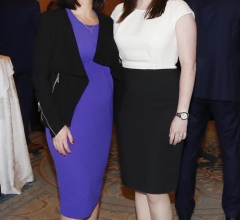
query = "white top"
x=149 y=43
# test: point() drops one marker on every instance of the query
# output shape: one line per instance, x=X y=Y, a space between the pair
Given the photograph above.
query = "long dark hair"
x=155 y=9
x=71 y=4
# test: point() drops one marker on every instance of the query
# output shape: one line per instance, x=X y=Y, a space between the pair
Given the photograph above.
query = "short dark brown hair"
x=72 y=4
x=155 y=9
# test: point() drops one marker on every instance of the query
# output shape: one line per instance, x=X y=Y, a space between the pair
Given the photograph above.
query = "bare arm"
x=186 y=39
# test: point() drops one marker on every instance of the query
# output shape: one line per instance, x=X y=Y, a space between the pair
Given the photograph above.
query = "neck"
x=143 y=4
x=85 y=9
x=85 y=13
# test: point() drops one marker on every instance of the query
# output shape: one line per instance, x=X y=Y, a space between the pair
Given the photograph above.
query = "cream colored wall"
x=109 y=5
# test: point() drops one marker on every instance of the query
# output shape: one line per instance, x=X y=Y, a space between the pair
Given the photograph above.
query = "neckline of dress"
x=81 y=21
x=140 y=9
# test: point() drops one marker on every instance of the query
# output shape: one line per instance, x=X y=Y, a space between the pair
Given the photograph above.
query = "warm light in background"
x=109 y=5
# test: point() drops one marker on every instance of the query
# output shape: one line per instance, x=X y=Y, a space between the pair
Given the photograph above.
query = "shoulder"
x=117 y=11
x=178 y=8
x=119 y=7
x=53 y=18
x=177 y=3
x=52 y=15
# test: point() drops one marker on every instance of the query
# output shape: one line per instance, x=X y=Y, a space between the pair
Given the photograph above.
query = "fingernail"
x=73 y=142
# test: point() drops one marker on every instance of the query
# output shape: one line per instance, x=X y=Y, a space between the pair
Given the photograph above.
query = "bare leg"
x=66 y=218
x=160 y=206
x=142 y=208
x=94 y=213
x=92 y=217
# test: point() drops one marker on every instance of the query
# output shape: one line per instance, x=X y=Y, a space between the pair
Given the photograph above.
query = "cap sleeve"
x=117 y=12
x=182 y=9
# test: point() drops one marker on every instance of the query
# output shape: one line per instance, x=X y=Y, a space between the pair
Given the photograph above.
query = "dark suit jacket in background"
x=218 y=47
x=18 y=21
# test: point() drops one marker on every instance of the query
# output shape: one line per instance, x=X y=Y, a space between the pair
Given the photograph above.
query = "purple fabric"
x=80 y=174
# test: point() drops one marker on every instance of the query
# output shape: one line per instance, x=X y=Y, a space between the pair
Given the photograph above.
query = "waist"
x=145 y=65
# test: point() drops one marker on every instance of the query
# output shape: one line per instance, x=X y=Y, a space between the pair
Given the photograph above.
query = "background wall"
x=109 y=5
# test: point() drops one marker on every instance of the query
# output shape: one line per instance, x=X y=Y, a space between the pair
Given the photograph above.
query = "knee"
x=156 y=198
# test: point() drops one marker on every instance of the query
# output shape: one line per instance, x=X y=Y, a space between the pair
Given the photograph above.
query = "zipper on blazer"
x=42 y=115
x=56 y=81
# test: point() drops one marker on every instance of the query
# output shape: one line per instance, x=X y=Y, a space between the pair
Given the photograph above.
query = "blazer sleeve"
x=44 y=49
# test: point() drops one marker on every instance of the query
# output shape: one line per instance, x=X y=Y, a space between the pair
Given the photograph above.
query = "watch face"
x=184 y=116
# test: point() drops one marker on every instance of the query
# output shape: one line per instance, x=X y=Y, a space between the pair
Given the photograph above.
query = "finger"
x=54 y=144
x=66 y=147
x=57 y=147
x=184 y=135
x=180 y=138
x=175 y=139
x=61 y=147
x=70 y=137
x=171 y=138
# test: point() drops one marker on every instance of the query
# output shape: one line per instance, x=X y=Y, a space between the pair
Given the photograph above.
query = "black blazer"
x=59 y=75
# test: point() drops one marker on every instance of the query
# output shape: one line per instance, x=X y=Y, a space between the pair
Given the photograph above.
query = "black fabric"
x=56 y=53
x=227 y=119
x=148 y=162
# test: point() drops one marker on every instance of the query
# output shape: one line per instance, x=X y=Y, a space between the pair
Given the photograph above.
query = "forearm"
x=186 y=85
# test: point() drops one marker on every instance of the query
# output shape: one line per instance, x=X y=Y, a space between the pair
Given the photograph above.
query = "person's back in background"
x=18 y=21
x=217 y=92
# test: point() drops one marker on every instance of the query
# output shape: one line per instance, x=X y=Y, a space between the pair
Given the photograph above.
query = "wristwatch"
x=182 y=115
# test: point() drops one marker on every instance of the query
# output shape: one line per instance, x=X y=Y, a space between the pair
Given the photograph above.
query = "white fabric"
x=149 y=43
x=15 y=166
x=6 y=70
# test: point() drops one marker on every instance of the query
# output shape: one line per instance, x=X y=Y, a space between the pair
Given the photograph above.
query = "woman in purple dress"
x=76 y=71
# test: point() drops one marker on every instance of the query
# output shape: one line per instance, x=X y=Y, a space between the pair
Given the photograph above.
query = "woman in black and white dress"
x=151 y=36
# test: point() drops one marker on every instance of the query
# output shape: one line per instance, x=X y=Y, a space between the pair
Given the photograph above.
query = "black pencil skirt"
x=148 y=162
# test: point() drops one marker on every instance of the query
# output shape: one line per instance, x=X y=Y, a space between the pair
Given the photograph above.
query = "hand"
x=60 y=141
x=178 y=130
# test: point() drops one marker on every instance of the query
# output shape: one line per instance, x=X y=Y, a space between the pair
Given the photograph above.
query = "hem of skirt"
x=157 y=191
x=77 y=216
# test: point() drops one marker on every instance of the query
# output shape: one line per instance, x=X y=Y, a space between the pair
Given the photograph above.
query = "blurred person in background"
x=217 y=92
x=18 y=21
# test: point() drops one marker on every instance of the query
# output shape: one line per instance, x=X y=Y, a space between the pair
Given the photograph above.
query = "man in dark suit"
x=217 y=91
x=18 y=21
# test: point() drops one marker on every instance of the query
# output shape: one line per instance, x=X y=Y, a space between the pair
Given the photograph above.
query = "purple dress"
x=80 y=174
